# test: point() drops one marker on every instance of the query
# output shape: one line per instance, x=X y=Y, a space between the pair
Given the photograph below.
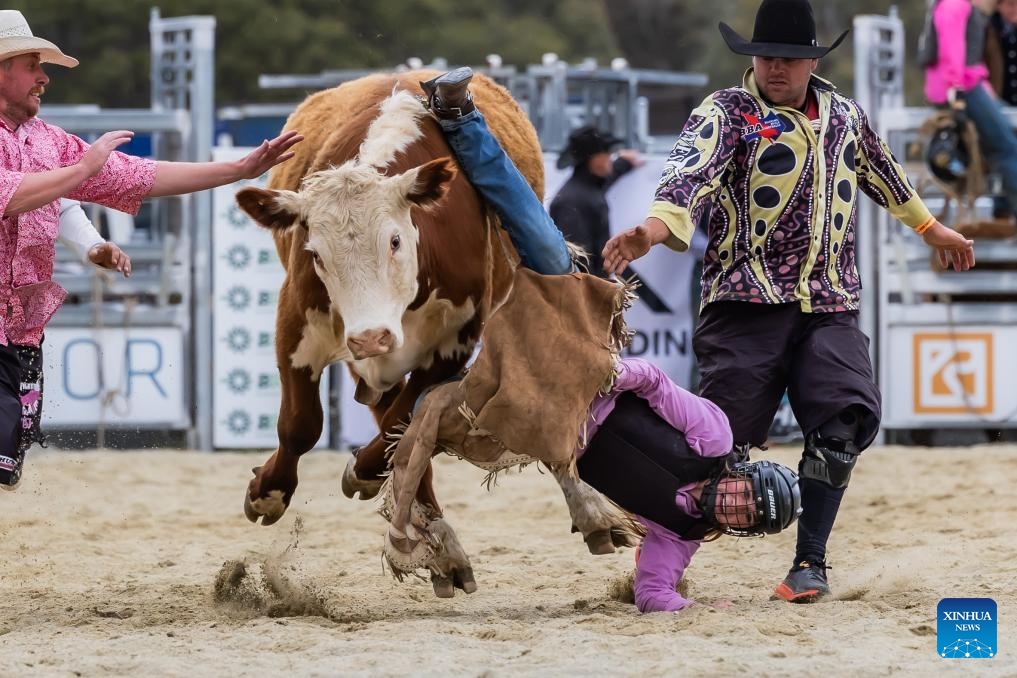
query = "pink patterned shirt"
x=28 y=295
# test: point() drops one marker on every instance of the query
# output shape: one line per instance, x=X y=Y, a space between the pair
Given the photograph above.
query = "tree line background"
x=308 y=36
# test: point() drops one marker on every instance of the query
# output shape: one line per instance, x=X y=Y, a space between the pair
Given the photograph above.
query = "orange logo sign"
x=953 y=373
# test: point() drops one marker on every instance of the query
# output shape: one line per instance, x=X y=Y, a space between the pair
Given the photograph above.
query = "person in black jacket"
x=580 y=208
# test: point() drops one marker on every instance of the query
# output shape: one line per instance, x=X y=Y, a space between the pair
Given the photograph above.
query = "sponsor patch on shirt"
x=769 y=127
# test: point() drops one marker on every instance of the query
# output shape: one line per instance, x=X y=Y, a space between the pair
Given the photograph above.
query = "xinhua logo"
x=966 y=628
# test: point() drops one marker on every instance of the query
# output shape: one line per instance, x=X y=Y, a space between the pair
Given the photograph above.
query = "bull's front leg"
x=603 y=525
x=299 y=427
x=364 y=471
x=418 y=535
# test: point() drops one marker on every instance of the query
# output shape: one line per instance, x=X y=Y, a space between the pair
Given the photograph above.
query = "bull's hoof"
x=600 y=542
x=445 y=587
x=623 y=538
x=269 y=508
x=351 y=484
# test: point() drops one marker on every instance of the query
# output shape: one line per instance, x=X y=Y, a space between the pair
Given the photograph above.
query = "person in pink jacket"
x=666 y=455
x=956 y=75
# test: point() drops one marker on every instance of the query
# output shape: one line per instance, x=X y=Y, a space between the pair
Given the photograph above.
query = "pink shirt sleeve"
x=9 y=182
x=663 y=558
x=122 y=183
x=705 y=426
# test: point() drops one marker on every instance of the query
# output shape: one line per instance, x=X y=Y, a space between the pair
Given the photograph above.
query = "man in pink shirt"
x=39 y=164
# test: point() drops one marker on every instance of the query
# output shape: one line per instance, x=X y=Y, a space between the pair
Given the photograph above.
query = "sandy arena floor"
x=110 y=564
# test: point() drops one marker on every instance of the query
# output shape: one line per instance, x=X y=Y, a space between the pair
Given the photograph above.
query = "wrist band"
x=924 y=226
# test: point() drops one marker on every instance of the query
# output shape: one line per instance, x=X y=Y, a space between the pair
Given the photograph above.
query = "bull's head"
x=362 y=240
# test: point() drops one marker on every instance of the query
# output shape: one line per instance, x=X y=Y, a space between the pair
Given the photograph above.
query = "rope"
x=108 y=398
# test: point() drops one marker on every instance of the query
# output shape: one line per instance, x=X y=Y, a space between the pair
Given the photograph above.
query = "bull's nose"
x=370 y=343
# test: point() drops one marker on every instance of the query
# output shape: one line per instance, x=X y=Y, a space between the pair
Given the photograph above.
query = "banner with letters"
x=114 y=376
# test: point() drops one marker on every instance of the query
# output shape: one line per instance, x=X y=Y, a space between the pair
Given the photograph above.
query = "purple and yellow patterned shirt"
x=777 y=195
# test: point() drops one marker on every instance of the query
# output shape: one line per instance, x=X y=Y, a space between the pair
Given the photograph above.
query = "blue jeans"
x=995 y=137
x=540 y=244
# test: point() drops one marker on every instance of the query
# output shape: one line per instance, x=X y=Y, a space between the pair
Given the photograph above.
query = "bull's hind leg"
x=364 y=472
x=603 y=525
x=368 y=485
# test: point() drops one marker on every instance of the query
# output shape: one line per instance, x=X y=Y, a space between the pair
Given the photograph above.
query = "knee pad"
x=831 y=451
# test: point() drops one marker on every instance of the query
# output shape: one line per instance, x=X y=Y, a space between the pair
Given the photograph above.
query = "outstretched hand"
x=625 y=247
x=268 y=155
x=109 y=255
x=97 y=154
x=951 y=247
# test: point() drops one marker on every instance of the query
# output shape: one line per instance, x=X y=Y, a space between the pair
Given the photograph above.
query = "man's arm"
x=629 y=245
x=885 y=181
x=176 y=178
x=628 y=159
x=41 y=188
x=78 y=233
x=951 y=247
x=692 y=174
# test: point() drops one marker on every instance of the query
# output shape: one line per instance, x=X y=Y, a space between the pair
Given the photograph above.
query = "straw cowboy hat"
x=16 y=38
x=785 y=29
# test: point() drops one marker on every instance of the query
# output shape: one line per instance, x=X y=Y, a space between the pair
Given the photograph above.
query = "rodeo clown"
x=652 y=447
x=774 y=168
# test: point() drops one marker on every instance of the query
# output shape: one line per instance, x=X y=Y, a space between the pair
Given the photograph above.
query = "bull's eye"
x=316 y=257
x=395 y=243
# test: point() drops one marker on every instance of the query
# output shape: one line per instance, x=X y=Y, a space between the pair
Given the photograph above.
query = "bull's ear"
x=426 y=185
x=271 y=209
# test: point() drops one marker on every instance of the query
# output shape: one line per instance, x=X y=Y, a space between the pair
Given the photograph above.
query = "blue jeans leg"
x=996 y=138
x=540 y=244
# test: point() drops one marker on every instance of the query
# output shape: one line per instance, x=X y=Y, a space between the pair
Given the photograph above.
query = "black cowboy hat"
x=784 y=29
x=584 y=143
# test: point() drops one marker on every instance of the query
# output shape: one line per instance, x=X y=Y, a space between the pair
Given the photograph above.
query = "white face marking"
x=364 y=245
x=271 y=505
x=432 y=328
x=321 y=344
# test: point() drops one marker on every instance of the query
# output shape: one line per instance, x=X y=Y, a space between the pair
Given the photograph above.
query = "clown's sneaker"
x=804 y=583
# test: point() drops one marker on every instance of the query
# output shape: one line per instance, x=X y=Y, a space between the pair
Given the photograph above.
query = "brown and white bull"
x=392 y=265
